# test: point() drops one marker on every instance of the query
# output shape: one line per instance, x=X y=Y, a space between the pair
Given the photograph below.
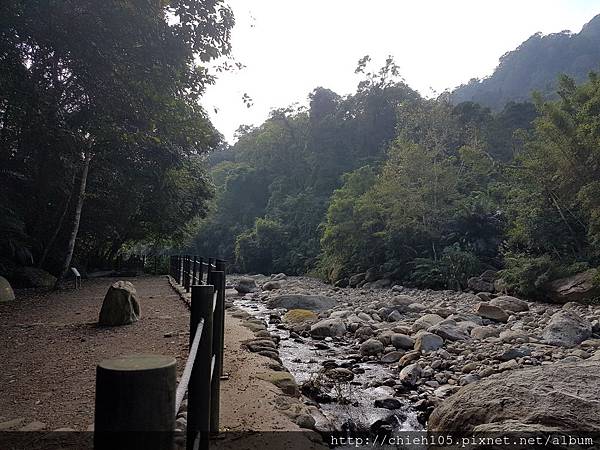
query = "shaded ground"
x=50 y=346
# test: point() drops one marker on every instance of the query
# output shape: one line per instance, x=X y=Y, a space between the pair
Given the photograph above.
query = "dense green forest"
x=534 y=66
x=101 y=132
x=426 y=192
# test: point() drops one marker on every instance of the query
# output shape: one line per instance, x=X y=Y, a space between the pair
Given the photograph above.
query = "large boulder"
x=32 y=277
x=120 y=306
x=371 y=347
x=294 y=316
x=355 y=280
x=299 y=301
x=428 y=342
x=246 y=285
x=450 y=330
x=563 y=395
x=6 y=292
x=328 y=328
x=576 y=288
x=426 y=321
x=492 y=312
x=479 y=285
x=510 y=304
x=271 y=285
x=566 y=329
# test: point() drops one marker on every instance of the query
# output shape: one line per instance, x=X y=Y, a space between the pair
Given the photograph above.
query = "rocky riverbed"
x=384 y=359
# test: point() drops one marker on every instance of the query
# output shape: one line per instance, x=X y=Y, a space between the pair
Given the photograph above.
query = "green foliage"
x=261 y=249
x=450 y=271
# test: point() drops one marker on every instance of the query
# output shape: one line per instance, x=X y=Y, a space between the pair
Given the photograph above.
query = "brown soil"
x=51 y=346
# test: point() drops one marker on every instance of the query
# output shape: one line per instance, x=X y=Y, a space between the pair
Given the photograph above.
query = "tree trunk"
x=76 y=219
x=59 y=225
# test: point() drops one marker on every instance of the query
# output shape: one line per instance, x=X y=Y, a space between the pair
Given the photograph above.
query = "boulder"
x=410 y=374
x=426 y=321
x=392 y=357
x=328 y=328
x=271 y=285
x=384 y=283
x=120 y=305
x=566 y=329
x=563 y=395
x=510 y=304
x=428 y=342
x=576 y=288
x=489 y=276
x=492 y=312
x=299 y=301
x=6 y=292
x=479 y=285
x=355 y=280
x=342 y=283
x=246 y=285
x=388 y=403
x=372 y=275
x=402 y=341
x=32 y=277
x=279 y=277
x=371 y=347
x=481 y=332
x=449 y=330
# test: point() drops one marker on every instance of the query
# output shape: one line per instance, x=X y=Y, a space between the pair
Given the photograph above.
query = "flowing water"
x=356 y=412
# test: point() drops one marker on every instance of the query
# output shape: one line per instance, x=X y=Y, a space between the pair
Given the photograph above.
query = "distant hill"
x=535 y=66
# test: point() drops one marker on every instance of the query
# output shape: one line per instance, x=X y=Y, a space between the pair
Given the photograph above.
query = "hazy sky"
x=290 y=47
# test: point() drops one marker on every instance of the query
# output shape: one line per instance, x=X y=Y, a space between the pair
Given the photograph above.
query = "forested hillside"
x=422 y=191
x=535 y=66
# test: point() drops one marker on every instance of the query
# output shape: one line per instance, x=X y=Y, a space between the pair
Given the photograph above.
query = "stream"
x=356 y=412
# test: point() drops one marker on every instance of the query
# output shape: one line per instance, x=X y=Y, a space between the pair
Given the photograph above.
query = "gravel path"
x=51 y=345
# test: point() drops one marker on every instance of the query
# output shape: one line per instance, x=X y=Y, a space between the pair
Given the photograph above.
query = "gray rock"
x=246 y=285
x=577 y=288
x=120 y=305
x=479 y=285
x=6 y=291
x=371 y=347
x=402 y=341
x=514 y=353
x=410 y=375
x=388 y=403
x=328 y=328
x=372 y=275
x=305 y=421
x=271 y=285
x=428 y=342
x=543 y=396
x=384 y=283
x=488 y=311
x=566 y=329
x=298 y=301
x=392 y=357
x=279 y=277
x=511 y=304
x=481 y=332
x=363 y=333
x=426 y=321
x=449 y=330
x=344 y=282
x=394 y=316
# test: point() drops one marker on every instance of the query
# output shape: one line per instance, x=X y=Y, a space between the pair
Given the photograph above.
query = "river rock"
x=547 y=395
x=328 y=328
x=402 y=341
x=299 y=301
x=426 y=321
x=478 y=285
x=279 y=277
x=392 y=357
x=295 y=316
x=246 y=285
x=566 y=329
x=271 y=285
x=576 y=288
x=510 y=304
x=32 y=277
x=428 y=342
x=481 y=332
x=371 y=347
x=488 y=311
x=410 y=374
x=363 y=333
x=120 y=305
x=449 y=330
x=394 y=316
x=388 y=403
x=6 y=291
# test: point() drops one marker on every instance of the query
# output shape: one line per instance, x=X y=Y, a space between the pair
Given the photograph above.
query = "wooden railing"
x=136 y=396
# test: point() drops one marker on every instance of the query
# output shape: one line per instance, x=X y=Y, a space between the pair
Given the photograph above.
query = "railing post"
x=194 y=281
x=209 y=271
x=218 y=279
x=180 y=270
x=135 y=399
x=186 y=273
x=199 y=389
x=201 y=271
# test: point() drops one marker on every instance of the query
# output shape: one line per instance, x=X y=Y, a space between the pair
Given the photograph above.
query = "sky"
x=290 y=47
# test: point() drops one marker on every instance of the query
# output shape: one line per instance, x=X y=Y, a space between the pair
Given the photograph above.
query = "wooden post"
x=194 y=267
x=186 y=273
x=201 y=271
x=135 y=400
x=180 y=270
x=218 y=279
x=199 y=389
x=209 y=271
